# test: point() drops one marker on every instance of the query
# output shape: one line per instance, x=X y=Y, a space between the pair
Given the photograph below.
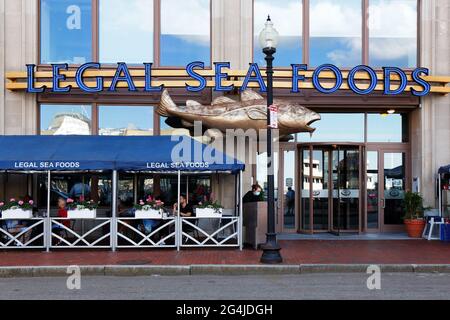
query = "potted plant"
x=209 y=209
x=17 y=209
x=81 y=209
x=148 y=209
x=414 y=222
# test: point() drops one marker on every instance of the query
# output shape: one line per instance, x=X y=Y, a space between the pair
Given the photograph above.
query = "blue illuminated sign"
x=253 y=75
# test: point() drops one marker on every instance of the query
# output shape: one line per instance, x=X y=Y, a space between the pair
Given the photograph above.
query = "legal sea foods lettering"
x=123 y=74
x=46 y=165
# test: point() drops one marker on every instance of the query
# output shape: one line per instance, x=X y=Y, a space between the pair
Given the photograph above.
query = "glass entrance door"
x=386 y=184
x=394 y=183
x=330 y=188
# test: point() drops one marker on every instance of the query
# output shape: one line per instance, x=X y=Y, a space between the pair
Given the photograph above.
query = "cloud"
x=131 y=15
x=187 y=17
x=336 y=18
x=393 y=18
x=286 y=16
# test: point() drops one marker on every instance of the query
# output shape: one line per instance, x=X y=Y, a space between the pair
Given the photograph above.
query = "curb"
x=214 y=269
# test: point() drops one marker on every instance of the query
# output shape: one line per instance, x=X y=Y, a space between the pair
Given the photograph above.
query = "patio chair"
x=432 y=219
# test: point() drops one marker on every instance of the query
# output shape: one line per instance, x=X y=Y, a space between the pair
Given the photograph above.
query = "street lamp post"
x=271 y=250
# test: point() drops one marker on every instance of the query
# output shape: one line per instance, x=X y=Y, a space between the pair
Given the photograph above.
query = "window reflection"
x=387 y=127
x=337 y=127
x=185 y=32
x=393 y=33
x=65 y=120
x=126 y=31
x=168 y=127
x=287 y=18
x=335 y=32
x=125 y=120
x=66 y=31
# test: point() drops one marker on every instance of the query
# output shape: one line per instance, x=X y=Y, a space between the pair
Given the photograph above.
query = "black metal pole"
x=271 y=249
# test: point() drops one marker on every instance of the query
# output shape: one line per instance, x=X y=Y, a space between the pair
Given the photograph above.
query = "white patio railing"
x=31 y=236
x=219 y=232
x=130 y=235
x=81 y=233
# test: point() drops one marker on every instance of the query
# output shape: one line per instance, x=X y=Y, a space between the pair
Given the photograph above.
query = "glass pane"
x=261 y=172
x=287 y=18
x=320 y=176
x=185 y=32
x=289 y=189
x=393 y=33
x=346 y=190
x=394 y=187
x=65 y=119
x=372 y=189
x=90 y=186
x=66 y=31
x=337 y=127
x=387 y=127
x=335 y=32
x=126 y=31
x=199 y=189
x=125 y=120
x=167 y=128
x=305 y=185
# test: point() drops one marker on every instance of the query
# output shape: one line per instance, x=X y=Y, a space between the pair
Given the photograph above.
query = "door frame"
x=331 y=147
x=383 y=148
x=288 y=146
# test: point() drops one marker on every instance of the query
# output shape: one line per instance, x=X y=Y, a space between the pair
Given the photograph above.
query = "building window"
x=126 y=31
x=65 y=119
x=335 y=32
x=125 y=120
x=337 y=127
x=185 y=32
x=167 y=128
x=393 y=33
x=66 y=31
x=387 y=127
x=287 y=17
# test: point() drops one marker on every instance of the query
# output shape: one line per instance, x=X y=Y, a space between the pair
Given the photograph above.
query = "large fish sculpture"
x=248 y=113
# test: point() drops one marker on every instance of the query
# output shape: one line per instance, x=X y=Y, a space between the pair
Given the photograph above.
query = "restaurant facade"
x=348 y=176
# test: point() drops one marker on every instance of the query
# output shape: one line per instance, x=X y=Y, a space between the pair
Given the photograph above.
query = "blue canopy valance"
x=143 y=153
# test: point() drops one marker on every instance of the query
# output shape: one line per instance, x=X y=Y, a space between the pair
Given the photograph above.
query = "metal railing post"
x=113 y=222
x=179 y=225
x=48 y=224
x=241 y=222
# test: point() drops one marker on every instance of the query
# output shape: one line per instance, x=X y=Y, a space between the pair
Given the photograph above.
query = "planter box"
x=148 y=214
x=208 y=213
x=17 y=214
x=82 y=214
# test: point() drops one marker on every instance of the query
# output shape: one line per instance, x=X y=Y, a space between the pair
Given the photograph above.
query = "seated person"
x=186 y=210
x=14 y=227
x=62 y=213
x=151 y=224
x=80 y=191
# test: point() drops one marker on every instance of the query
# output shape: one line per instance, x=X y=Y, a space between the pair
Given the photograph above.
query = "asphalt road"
x=304 y=286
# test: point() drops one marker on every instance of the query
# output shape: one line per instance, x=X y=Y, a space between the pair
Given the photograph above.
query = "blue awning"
x=444 y=170
x=73 y=153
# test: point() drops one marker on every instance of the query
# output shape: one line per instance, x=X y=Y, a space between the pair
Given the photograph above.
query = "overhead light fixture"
x=391 y=111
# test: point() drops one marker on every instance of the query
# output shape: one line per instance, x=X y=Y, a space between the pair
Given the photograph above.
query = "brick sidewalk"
x=294 y=252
